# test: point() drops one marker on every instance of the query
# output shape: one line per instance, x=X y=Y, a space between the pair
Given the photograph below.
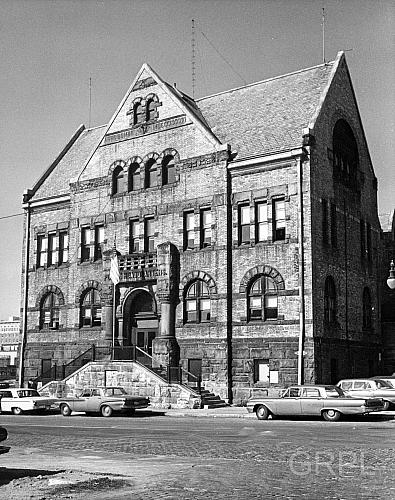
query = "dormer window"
x=345 y=154
x=138 y=113
x=150 y=110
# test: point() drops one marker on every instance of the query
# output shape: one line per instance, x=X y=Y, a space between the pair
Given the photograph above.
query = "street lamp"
x=391 y=277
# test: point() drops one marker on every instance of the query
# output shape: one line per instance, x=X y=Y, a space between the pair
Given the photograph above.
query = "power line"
x=9 y=216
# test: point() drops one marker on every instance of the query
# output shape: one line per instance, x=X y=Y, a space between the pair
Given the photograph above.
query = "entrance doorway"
x=195 y=371
x=140 y=324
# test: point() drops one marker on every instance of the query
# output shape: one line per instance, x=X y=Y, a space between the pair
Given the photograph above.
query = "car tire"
x=131 y=412
x=17 y=411
x=262 y=413
x=65 y=410
x=106 y=411
x=331 y=415
x=386 y=406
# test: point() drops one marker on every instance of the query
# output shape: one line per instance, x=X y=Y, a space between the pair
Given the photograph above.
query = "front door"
x=144 y=340
x=195 y=371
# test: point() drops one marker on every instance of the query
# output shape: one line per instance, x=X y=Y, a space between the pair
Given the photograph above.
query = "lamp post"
x=391 y=277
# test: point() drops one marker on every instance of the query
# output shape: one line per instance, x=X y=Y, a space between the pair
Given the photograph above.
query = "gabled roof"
x=268 y=116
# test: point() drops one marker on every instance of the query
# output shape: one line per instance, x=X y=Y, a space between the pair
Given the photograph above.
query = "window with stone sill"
x=205 y=228
x=261 y=371
x=118 y=181
x=149 y=235
x=261 y=222
x=91 y=309
x=197 y=303
x=150 y=110
x=138 y=114
x=134 y=236
x=189 y=230
x=168 y=170
x=330 y=307
x=262 y=298
x=151 y=174
x=134 y=177
x=278 y=220
x=49 y=312
x=244 y=224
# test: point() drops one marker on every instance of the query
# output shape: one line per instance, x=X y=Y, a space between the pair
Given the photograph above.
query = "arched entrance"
x=140 y=325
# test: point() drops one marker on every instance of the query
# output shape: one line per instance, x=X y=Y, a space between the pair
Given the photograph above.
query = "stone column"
x=165 y=348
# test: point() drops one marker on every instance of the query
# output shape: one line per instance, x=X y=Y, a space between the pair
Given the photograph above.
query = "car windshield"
x=333 y=392
x=114 y=391
x=27 y=393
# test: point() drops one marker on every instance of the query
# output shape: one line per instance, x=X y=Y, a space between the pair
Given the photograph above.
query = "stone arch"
x=259 y=270
x=169 y=152
x=50 y=289
x=134 y=160
x=88 y=284
x=132 y=293
x=150 y=156
x=198 y=275
x=116 y=164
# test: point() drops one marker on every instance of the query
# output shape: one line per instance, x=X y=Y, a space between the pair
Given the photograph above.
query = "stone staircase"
x=210 y=400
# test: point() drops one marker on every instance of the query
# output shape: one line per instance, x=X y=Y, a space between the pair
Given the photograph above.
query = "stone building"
x=246 y=230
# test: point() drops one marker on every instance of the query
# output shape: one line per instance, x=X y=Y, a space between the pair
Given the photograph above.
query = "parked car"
x=390 y=379
x=103 y=400
x=369 y=388
x=19 y=400
x=3 y=437
x=326 y=400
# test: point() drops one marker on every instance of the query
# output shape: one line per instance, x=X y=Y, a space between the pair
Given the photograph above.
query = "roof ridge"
x=330 y=63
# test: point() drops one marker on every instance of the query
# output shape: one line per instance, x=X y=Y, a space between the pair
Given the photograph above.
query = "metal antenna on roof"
x=193 y=59
x=323 y=35
x=90 y=102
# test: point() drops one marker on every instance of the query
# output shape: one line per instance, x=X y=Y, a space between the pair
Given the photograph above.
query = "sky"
x=50 y=49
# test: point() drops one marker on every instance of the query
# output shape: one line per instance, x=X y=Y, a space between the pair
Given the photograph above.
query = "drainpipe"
x=301 y=285
x=25 y=297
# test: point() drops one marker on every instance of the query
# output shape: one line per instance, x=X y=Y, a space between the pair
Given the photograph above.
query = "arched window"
x=134 y=177
x=138 y=113
x=330 y=300
x=168 y=170
x=151 y=173
x=366 y=308
x=197 y=303
x=118 y=181
x=262 y=299
x=150 y=110
x=90 y=308
x=345 y=153
x=49 y=312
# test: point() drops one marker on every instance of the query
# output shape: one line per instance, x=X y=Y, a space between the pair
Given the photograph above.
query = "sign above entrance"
x=142 y=274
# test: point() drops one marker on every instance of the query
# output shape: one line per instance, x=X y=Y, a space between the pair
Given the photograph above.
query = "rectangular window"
x=99 y=240
x=205 y=310
x=189 y=230
x=85 y=244
x=205 y=228
x=149 y=243
x=134 y=236
x=52 y=249
x=278 y=220
x=325 y=222
x=63 y=247
x=262 y=226
x=244 y=224
x=41 y=250
x=261 y=370
x=333 y=225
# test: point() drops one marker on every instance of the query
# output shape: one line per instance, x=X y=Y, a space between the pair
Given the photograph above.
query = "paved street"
x=190 y=458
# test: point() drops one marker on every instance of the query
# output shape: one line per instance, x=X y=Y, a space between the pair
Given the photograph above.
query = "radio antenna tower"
x=90 y=102
x=193 y=59
x=323 y=35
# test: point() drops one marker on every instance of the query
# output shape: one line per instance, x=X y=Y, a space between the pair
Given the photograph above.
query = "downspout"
x=25 y=297
x=301 y=284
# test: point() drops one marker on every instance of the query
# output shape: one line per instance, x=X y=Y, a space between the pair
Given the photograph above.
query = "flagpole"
x=113 y=319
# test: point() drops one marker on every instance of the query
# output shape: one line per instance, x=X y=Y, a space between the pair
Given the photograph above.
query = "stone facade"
x=215 y=208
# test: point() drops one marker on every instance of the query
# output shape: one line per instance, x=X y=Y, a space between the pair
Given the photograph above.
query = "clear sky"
x=50 y=48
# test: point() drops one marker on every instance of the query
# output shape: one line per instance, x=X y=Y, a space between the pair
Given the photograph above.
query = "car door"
x=289 y=404
x=361 y=389
x=94 y=400
x=311 y=401
x=81 y=402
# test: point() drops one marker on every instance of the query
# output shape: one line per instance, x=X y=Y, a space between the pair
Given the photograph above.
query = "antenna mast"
x=193 y=59
x=90 y=101
x=323 y=35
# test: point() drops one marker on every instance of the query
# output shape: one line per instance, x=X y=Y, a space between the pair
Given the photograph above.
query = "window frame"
x=94 y=318
x=261 y=222
x=244 y=228
x=201 y=296
x=266 y=290
x=330 y=301
x=63 y=247
x=151 y=173
x=149 y=237
x=134 y=236
x=50 y=311
x=42 y=251
x=118 y=180
x=134 y=174
x=205 y=229
x=188 y=230
x=278 y=223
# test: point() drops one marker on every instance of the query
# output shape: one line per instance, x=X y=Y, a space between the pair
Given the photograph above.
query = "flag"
x=114 y=269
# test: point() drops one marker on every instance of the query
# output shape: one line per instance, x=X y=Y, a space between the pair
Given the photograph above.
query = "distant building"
x=246 y=228
x=10 y=337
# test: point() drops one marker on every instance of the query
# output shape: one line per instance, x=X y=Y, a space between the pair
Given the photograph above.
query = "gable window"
x=168 y=170
x=261 y=222
x=52 y=251
x=325 y=221
x=197 y=303
x=63 y=256
x=205 y=228
x=99 y=240
x=49 y=312
x=345 y=154
x=85 y=244
x=333 y=225
x=151 y=110
x=366 y=309
x=134 y=177
x=278 y=220
x=244 y=224
x=262 y=299
x=261 y=370
x=149 y=241
x=118 y=181
x=189 y=230
x=91 y=308
x=42 y=247
x=138 y=113
x=330 y=301
x=151 y=174
x=134 y=238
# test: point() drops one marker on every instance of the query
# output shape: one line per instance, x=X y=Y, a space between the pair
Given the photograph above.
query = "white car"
x=22 y=400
